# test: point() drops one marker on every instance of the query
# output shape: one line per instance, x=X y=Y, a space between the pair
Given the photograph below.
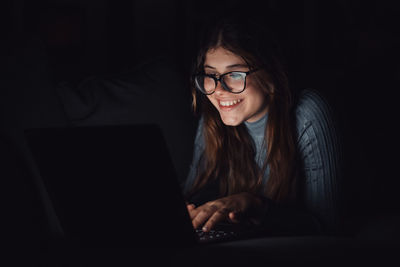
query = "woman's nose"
x=219 y=90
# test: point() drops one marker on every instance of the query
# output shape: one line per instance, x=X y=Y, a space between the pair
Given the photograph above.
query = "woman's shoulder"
x=311 y=107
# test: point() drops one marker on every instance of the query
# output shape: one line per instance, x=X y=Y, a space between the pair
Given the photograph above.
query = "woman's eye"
x=236 y=76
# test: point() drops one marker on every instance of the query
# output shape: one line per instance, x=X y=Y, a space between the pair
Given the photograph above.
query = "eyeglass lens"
x=235 y=81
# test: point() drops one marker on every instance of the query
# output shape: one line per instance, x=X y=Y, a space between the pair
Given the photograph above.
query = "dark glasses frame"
x=220 y=79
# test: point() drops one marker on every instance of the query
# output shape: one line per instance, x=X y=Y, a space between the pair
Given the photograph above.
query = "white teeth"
x=229 y=103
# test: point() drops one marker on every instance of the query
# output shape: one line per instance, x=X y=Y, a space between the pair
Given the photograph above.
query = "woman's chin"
x=229 y=121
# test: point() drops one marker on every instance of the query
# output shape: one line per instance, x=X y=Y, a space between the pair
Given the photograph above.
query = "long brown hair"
x=229 y=150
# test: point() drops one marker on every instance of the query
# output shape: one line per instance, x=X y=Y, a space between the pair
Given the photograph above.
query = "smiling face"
x=249 y=105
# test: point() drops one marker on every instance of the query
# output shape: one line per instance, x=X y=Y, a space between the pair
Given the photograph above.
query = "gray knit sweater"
x=319 y=150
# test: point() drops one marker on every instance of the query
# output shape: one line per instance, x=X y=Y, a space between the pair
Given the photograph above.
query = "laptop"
x=115 y=186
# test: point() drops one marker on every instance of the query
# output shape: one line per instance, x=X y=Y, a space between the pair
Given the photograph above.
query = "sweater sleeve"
x=319 y=150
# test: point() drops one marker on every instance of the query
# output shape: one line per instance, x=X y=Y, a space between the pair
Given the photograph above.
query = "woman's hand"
x=234 y=208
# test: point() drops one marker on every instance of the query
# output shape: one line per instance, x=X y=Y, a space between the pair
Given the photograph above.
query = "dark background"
x=347 y=50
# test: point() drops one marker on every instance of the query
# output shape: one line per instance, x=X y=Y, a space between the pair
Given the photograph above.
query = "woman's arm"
x=319 y=150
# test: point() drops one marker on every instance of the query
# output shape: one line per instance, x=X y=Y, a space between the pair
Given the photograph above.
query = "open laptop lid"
x=112 y=186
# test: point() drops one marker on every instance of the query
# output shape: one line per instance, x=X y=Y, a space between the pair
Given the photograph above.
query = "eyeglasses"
x=234 y=82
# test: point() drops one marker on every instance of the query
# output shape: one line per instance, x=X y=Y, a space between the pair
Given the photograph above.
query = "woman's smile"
x=229 y=104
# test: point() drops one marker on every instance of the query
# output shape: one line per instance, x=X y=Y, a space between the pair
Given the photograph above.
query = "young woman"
x=257 y=149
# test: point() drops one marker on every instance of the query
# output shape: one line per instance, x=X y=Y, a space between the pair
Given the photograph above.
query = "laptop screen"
x=112 y=185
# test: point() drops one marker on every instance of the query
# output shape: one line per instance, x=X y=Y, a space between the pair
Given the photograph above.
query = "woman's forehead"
x=221 y=57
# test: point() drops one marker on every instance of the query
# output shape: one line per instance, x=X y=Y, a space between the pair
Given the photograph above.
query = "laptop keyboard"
x=214 y=235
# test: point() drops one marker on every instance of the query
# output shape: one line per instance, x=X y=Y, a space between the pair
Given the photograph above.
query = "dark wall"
x=348 y=50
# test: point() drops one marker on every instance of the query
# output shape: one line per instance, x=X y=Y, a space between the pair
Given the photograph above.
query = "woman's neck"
x=257 y=127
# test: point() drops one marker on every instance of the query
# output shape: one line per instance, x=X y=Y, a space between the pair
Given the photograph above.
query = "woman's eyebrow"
x=208 y=66
x=237 y=66
x=229 y=66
